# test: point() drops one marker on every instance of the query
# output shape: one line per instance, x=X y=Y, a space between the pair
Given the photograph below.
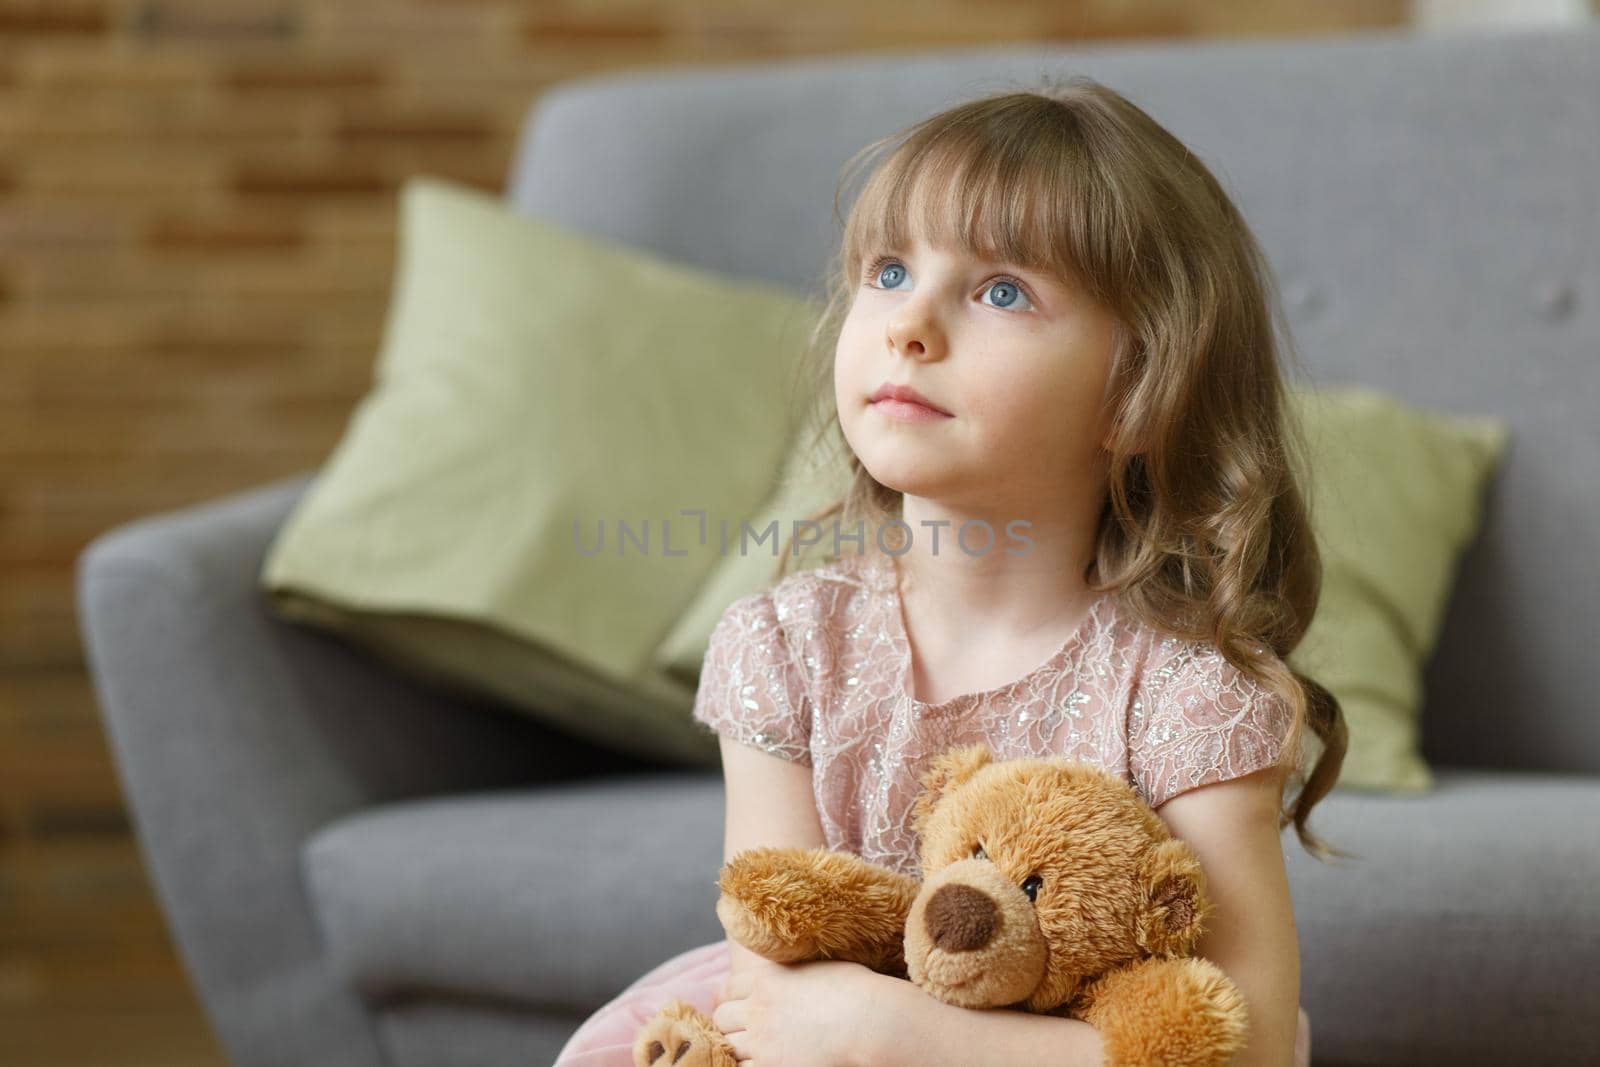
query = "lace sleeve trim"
x=751 y=687
x=1198 y=720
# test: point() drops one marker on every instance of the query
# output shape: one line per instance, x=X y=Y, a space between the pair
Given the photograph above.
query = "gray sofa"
x=361 y=872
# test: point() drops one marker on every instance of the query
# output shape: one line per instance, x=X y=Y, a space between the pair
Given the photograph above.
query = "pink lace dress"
x=818 y=669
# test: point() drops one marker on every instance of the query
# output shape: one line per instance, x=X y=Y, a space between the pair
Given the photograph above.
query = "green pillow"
x=535 y=382
x=1395 y=496
x=809 y=481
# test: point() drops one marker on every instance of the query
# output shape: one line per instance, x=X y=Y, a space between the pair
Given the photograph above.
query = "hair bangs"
x=980 y=188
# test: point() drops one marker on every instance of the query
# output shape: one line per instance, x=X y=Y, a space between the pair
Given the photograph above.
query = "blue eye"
x=887 y=273
x=1006 y=287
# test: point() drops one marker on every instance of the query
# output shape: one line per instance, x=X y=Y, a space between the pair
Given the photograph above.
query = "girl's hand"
x=796 y=1014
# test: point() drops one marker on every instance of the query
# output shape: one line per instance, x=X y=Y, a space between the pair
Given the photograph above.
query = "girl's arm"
x=915 y=1029
x=1233 y=828
x=741 y=957
x=768 y=801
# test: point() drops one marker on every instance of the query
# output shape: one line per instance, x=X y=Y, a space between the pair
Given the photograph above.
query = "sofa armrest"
x=237 y=735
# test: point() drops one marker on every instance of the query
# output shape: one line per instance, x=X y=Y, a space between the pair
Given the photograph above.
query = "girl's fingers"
x=738 y=984
x=741 y=1046
x=730 y=1016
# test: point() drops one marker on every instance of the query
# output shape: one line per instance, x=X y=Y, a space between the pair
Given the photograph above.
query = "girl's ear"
x=947 y=771
x=1175 y=902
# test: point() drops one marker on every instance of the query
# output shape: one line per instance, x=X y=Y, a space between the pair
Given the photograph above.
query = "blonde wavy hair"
x=1205 y=533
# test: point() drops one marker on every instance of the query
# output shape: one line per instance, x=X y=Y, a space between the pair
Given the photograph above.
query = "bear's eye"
x=1032 y=887
x=978 y=853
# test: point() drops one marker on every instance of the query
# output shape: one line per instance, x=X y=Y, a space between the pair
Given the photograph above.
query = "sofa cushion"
x=1468 y=927
x=1479 y=891
x=444 y=1031
x=557 y=896
x=536 y=387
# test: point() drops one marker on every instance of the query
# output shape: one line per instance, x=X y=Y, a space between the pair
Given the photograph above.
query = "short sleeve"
x=1196 y=720
x=751 y=686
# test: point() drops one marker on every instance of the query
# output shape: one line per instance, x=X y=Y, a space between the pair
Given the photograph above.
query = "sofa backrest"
x=1430 y=205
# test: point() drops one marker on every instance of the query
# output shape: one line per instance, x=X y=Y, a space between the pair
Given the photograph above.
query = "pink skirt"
x=695 y=976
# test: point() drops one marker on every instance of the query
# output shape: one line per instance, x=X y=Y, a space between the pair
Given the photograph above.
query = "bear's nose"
x=960 y=918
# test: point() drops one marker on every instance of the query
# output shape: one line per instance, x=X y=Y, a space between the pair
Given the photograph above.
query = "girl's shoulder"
x=1197 y=719
x=1168 y=661
x=1186 y=690
x=795 y=628
x=831 y=595
x=1154 y=656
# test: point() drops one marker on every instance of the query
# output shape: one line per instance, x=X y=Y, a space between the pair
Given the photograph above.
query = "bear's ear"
x=948 y=770
x=1175 y=902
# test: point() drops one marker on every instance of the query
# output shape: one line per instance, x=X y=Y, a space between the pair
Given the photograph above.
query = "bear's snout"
x=960 y=918
x=973 y=938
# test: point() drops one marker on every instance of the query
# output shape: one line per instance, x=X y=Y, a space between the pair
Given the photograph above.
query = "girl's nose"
x=915 y=337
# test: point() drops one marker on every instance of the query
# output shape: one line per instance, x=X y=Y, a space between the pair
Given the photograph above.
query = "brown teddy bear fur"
x=1048 y=886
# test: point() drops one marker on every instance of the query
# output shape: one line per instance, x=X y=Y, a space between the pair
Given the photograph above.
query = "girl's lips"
x=905 y=411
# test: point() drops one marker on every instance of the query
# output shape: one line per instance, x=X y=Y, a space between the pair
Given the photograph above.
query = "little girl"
x=1071 y=530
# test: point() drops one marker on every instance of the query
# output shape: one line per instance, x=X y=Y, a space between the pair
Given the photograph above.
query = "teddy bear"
x=1047 y=886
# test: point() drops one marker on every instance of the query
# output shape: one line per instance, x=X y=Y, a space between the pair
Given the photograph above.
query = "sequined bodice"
x=816 y=669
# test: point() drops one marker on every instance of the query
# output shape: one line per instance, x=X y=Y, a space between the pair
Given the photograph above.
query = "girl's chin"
x=909 y=483
x=902 y=463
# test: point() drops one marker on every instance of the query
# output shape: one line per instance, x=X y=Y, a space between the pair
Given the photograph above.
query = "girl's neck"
x=1029 y=586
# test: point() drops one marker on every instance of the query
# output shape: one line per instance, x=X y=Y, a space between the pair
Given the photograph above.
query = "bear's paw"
x=680 y=1035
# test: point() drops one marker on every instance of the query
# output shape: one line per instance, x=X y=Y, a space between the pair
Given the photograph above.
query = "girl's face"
x=1019 y=360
